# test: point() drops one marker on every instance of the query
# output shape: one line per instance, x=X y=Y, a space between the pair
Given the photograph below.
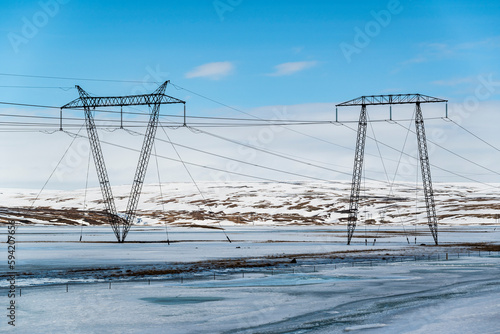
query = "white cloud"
x=213 y=71
x=492 y=42
x=292 y=68
x=430 y=51
x=437 y=51
x=455 y=81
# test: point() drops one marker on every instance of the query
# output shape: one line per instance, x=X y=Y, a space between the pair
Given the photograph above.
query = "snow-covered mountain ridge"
x=259 y=203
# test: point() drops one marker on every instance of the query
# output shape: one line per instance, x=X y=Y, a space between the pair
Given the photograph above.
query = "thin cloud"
x=212 y=71
x=428 y=52
x=438 y=51
x=292 y=68
x=455 y=81
x=431 y=51
x=492 y=42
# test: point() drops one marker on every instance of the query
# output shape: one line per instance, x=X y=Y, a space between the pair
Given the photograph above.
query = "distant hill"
x=259 y=203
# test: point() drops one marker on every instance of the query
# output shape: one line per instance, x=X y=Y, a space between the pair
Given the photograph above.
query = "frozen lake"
x=149 y=286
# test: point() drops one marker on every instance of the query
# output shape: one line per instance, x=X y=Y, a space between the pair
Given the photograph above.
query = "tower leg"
x=140 y=173
x=142 y=165
x=426 y=174
x=356 y=174
x=109 y=202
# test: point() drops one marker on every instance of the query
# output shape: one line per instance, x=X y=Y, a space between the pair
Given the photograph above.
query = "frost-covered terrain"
x=257 y=203
x=200 y=283
x=457 y=296
x=287 y=270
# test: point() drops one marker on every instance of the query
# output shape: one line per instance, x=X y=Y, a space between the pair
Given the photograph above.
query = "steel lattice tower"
x=121 y=226
x=363 y=101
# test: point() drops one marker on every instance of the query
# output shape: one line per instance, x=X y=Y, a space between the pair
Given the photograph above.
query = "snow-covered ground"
x=455 y=296
x=75 y=278
x=389 y=287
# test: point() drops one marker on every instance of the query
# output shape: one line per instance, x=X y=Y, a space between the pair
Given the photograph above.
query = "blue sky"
x=424 y=43
x=256 y=56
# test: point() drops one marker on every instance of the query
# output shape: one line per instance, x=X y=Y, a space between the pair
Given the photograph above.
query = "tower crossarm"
x=121 y=101
x=391 y=99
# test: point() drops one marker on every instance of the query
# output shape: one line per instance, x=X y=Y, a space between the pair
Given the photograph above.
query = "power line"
x=56 y=125
x=283 y=156
x=287 y=155
x=179 y=124
x=69 y=78
x=243 y=112
x=267 y=122
x=270 y=152
x=274 y=122
x=474 y=135
x=187 y=163
x=228 y=158
x=28 y=105
x=54 y=170
x=191 y=176
x=437 y=167
x=391 y=184
x=402 y=150
x=161 y=192
x=17 y=125
x=290 y=158
x=38 y=87
x=458 y=155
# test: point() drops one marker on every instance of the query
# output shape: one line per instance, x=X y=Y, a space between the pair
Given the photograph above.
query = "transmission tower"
x=121 y=226
x=364 y=101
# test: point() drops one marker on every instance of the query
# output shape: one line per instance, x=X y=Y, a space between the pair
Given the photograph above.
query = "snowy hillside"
x=258 y=203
